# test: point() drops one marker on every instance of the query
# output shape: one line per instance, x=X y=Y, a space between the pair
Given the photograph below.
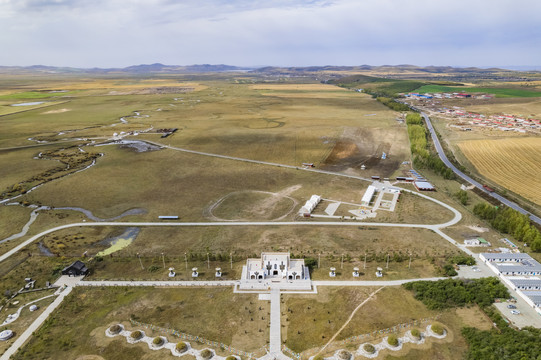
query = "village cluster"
x=468 y=120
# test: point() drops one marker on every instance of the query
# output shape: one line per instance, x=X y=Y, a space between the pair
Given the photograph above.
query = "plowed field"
x=513 y=163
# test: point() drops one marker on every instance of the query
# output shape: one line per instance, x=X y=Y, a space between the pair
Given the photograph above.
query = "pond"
x=29 y=103
x=119 y=242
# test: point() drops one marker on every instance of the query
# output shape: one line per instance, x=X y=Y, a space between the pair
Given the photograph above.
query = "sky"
x=119 y=33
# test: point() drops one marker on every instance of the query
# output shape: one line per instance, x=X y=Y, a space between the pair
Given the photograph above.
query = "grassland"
x=497 y=91
x=78 y=327
x=26 y=317
x=312 y=321
x=289 y=123
x=512 y=163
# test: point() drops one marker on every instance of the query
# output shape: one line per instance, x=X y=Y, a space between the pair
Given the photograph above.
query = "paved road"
x=158 y=283
x=240 y=223
x=478 y=185
x=275 y=344
x=371 y=283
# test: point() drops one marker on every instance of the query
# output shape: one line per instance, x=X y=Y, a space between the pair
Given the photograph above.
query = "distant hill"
x=324 y=72
x=134 y=69
x=380 y=68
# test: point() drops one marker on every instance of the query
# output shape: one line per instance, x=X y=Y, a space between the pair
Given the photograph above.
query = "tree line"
x=390 y=103
x=422 y=157
x=502 y=342
x=449 y=293
x=510 y=221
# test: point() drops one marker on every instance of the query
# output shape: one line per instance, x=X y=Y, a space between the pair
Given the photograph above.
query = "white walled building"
x=276 y=266
x=509 y=267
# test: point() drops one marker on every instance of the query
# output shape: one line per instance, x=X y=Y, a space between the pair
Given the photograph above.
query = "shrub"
x=153 y=268
x=344 y=355
x=157 y=341
x=369 y=348
x=416 y=333
x=136 y=335
x=206 y=354
x=230 y=357
x=392 y=340
x=115 y=329
x=181 y=347
x=437 y=328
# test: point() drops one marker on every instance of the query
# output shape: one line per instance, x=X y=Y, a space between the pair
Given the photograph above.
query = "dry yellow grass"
x=512 y=163
x=313 y=94
x=300 y=87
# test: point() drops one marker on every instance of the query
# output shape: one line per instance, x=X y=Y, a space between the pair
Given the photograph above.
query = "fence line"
x=291 y=352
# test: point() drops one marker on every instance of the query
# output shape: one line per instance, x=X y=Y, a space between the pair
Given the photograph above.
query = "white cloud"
x=281 y=32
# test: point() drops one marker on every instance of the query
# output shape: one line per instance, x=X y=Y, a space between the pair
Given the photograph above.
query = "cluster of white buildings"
x=520 y=271
x=310 y=205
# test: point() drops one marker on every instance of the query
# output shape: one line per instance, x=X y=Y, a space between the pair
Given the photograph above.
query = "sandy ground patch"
x=299 y=87
x=477 y=228
x=56 y=111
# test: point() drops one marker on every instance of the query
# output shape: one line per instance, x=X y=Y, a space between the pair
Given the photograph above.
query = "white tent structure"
x=310 y=205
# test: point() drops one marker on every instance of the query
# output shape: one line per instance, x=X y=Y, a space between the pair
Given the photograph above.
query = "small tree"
x=181 y=347
x=230 y=357
x=157 y=341
x=392 y=340
x=136 y=335
x=416 y=333
x=369 y=348
x=437 y=328
x=206 y=354
x=115 y=329
x=344 y=355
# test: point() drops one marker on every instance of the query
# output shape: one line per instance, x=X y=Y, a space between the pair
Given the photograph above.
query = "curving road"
x=433 y=227
x=465 y=177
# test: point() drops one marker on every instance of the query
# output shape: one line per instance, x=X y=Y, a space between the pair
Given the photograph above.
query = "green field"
x=498 y=92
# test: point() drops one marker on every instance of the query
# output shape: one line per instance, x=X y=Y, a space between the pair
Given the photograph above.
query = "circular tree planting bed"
x=369 y=348
x=181 y=347
x=136 y=335
x=206 y=354
x=115 y=329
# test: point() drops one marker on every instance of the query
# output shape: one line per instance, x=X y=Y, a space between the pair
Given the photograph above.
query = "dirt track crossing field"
x=513 y=163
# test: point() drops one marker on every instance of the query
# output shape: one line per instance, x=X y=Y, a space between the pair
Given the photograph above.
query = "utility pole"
x=409 y=266
x=186 y=261
x=140 y=262
x=163 y=259
x=231 y=255
x=318 y=260
x=365 y=260
x=388 y=260
x=342 y=262
x=208 y=261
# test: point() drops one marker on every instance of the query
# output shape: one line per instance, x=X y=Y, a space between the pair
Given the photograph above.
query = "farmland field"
x=512 y=163
x=499 y=92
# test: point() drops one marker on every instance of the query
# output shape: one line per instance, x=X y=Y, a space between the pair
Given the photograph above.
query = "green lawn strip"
x=499 y=92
